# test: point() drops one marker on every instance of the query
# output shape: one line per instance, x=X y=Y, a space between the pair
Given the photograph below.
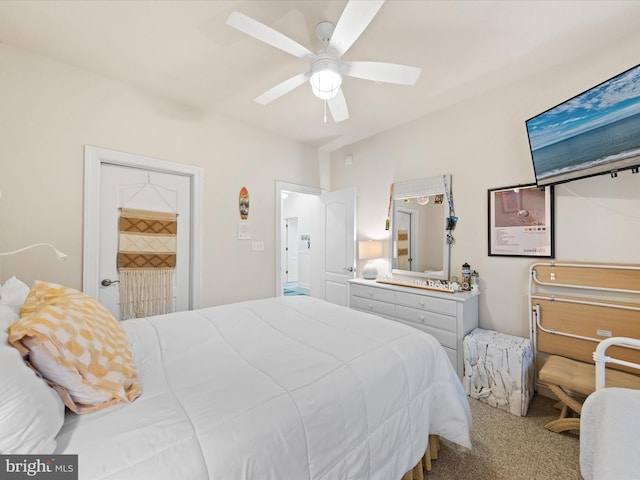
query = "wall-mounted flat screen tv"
x=595 y=132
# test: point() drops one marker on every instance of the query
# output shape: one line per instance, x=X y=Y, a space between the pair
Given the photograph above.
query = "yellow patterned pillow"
x=77 y=346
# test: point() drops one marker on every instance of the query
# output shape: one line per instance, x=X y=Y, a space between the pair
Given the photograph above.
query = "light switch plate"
x=243 y=231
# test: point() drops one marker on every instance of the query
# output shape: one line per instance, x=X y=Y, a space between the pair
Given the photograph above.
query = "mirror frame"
x=437 y=185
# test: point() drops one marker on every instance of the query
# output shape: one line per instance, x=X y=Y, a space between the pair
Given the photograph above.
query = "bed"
x=610 y=421
x=279 y=388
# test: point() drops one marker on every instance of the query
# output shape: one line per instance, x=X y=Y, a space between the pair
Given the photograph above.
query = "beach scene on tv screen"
x=595 y=132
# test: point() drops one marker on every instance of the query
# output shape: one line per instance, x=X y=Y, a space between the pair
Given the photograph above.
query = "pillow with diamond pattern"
x=77 y=346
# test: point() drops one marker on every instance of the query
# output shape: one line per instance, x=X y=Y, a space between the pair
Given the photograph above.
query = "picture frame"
x=521 y=221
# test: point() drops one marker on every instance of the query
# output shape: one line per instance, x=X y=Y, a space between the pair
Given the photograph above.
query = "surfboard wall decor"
x=244 y=203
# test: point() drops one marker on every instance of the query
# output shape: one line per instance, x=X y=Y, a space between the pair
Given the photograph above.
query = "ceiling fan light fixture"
x=325 y=78
x=326 y=66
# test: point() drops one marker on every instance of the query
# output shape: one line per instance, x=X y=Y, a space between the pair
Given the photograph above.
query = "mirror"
x=420 y=209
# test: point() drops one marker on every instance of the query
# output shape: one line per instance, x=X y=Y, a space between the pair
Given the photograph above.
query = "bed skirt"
x=417 y=472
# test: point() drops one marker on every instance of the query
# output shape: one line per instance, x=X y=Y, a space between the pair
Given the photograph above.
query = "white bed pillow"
x=7 y=317
x=13 y=294
x=47 y=365
x=31 y=412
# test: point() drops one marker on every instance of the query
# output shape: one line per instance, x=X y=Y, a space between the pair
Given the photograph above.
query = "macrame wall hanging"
x=146 y=262
x=403 y=250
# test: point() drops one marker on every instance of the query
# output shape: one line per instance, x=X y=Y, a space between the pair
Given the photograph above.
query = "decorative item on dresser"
x=448 y=317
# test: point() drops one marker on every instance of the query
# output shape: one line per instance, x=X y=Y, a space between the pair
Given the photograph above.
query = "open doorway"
x=292 y=252
x=405 y=228
x=296 y=208
x=298 y=231
x=297 y=256
x=326 y=235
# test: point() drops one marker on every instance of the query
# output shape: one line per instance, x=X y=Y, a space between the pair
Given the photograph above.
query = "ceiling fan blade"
x=282 y=88
x=338 y=107
x=354 y=19
x=267 y=35
x=383 y=72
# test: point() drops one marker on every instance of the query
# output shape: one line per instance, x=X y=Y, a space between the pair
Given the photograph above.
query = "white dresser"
x=446 y=316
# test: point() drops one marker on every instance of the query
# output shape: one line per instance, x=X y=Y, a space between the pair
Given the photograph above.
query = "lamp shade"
x=325 y=78
x=370 y=249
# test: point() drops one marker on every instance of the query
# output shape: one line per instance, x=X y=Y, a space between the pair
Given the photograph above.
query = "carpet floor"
x=508 y=447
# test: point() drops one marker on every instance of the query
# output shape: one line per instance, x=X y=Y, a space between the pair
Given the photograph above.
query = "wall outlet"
x=257 y=246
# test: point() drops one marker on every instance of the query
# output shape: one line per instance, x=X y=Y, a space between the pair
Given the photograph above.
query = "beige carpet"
x=507 y=447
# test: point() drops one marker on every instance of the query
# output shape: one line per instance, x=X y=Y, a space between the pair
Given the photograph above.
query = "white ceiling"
x=183 y=50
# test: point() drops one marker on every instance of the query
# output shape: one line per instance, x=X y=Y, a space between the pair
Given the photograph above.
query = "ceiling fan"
x=326 y=66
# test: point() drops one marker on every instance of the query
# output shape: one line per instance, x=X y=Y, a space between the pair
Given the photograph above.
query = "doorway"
x=298 y=229
x=115 y=179
x=325 y=238
x=405 y=229
x=291 y=251
x=296 y=256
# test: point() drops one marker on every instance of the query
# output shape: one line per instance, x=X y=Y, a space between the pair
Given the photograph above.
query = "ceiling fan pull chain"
x=325 y=111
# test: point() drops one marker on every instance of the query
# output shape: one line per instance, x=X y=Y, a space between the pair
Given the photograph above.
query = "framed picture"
x=521 y=221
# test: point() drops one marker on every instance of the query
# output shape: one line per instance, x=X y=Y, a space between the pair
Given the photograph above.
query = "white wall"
x=482 y=142
x=50 y=110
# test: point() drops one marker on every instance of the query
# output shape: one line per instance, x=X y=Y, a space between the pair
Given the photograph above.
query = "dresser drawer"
x=447 y=317
x=427 y=318
x=373 y=293
x=372 y=306
x=438 y=305
x=446 y=339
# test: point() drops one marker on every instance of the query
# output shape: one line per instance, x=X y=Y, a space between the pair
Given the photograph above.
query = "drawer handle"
x=370 y=307
x=370 y=293
x=421 y=318
x=421 y=302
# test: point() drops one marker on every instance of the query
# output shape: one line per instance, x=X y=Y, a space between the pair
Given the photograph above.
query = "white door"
x=339 y=226
x=405 y=226
x=292 y=250
x=116 y=179
x=141 y=189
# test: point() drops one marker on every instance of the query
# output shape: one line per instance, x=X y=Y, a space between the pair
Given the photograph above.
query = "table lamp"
x=370 y=250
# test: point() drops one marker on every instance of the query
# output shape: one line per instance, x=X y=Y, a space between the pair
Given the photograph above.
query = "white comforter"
x=609 y=426
x=282 y=388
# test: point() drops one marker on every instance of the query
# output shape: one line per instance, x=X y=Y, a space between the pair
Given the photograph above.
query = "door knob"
x=349 y=269
x=107 y=282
